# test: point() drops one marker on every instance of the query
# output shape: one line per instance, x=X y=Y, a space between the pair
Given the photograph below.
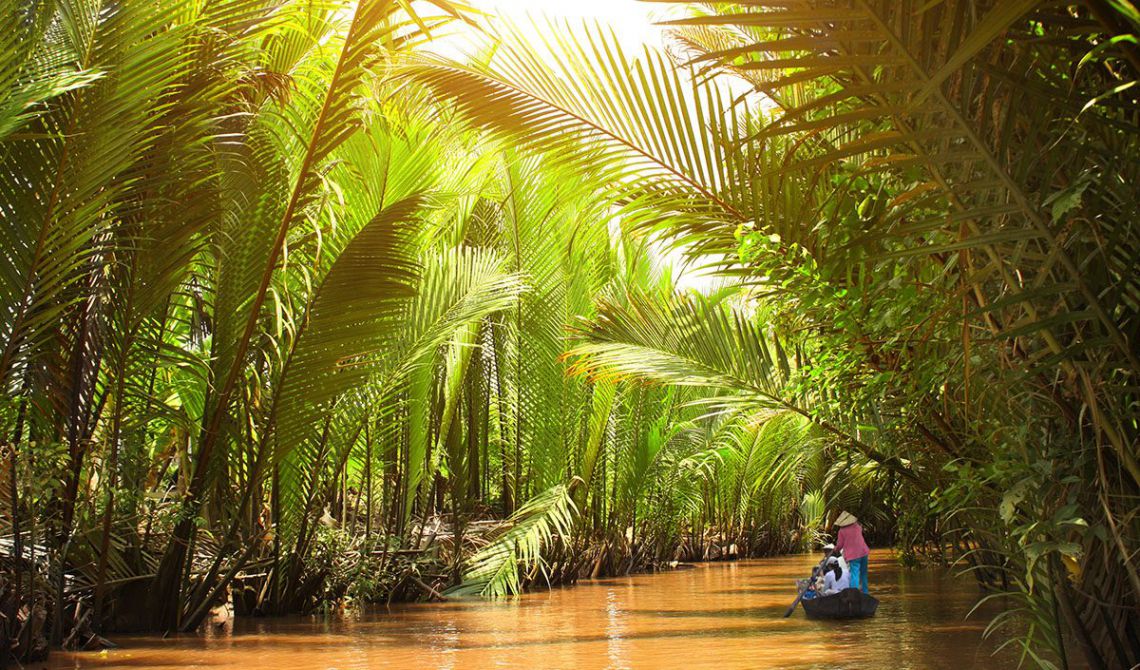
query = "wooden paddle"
x=800 y=597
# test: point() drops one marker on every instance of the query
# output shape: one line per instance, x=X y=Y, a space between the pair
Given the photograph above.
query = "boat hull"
x=847 y=604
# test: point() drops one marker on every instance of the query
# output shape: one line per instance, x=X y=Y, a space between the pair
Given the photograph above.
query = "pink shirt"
x=850 y=540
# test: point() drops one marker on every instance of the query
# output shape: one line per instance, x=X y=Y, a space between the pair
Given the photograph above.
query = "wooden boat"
x=847 y=604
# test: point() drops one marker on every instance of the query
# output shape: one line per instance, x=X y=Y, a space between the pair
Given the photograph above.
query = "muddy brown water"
x=715 y=615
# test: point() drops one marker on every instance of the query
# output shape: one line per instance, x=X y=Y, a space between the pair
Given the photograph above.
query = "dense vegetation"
x=295 y=312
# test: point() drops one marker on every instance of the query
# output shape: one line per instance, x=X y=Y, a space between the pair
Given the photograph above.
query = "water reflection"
x=726 y=615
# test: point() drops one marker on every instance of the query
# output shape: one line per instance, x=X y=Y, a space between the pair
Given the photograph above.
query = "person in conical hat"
x=850 y=541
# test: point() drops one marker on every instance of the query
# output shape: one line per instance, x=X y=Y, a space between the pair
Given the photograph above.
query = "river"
x=715 y=615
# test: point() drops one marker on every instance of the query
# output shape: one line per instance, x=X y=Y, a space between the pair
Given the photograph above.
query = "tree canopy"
x=296 y=309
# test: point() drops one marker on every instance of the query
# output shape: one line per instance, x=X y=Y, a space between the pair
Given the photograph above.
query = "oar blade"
x=793 y=606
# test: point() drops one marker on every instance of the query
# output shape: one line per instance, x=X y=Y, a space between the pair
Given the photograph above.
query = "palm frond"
x=656 y=135
x=544 y=520
x=351 y=319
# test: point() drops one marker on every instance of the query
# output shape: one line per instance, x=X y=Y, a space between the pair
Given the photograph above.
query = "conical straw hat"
x=845 y=519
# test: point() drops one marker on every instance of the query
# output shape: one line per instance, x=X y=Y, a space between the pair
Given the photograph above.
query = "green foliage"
x=286 y=294
x=545 y=519
x=933 y=216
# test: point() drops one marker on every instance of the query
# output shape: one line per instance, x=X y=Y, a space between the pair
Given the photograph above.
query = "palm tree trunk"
x=17 y=531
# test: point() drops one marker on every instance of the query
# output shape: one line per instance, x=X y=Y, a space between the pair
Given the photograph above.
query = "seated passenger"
x=813 y=586
x=835 y=579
